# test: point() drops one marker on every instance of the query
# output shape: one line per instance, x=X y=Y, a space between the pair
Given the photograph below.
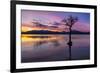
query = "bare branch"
x=70 y=21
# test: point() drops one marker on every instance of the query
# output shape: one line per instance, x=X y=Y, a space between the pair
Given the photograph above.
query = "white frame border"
x=20 y=65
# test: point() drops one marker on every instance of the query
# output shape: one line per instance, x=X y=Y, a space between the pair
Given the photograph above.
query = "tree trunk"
x=70 y=42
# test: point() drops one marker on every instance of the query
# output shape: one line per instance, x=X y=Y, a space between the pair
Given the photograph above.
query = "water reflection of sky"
x=39 y=48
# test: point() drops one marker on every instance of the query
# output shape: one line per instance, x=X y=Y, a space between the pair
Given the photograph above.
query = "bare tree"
x=70 y=21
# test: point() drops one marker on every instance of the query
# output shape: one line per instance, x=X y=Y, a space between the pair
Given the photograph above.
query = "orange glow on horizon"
x=29 y=28
x=24 y=29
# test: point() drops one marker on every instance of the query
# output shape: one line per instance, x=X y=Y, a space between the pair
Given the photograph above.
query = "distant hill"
x=52 y=32
x=79 y=32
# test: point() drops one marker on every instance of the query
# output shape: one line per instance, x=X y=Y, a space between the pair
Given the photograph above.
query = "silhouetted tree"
x=70 y=21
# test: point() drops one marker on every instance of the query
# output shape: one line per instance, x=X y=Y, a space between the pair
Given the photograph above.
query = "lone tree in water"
x=70 y=21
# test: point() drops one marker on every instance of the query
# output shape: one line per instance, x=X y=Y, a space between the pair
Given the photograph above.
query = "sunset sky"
x=51 y=20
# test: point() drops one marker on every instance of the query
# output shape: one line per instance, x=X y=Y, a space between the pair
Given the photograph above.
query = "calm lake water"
x=41 y=48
